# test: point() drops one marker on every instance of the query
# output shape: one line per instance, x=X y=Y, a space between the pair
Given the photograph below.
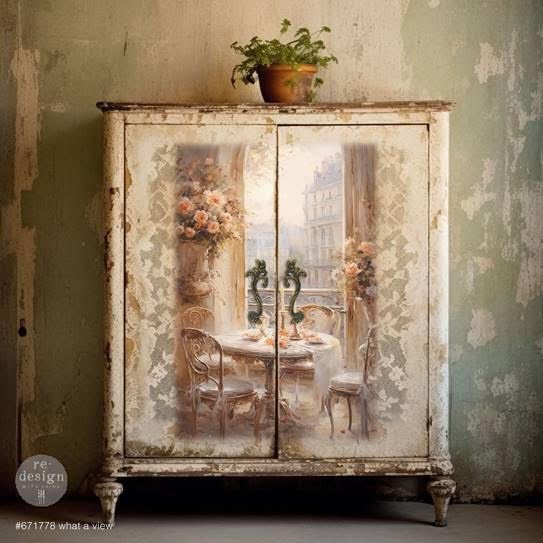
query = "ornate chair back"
x=200 y=350
x=321 y=318
x=198 y=317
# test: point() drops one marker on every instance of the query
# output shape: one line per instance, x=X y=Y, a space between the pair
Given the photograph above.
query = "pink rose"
x=214 y=198
x=225 y=217
x=190 y=232
x=213 y=227
x=367 y=248
x=185 y=206
x=351 y=269
x=180 y=230
x=201 y=217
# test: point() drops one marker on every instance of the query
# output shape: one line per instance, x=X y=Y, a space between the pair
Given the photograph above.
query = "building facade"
x=323 y=209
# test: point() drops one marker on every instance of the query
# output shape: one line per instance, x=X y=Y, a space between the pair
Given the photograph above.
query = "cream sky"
x=296 y=169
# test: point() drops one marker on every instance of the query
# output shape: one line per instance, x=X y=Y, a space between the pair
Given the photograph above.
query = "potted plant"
x=285 y=71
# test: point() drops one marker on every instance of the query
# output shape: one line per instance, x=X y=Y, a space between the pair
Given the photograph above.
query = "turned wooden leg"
x=108 y=490
x=441 y=491
x=258 y=404
x=195 y=407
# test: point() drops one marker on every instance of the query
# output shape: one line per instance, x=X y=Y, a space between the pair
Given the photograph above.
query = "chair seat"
x=232 y=387
x=350 y=381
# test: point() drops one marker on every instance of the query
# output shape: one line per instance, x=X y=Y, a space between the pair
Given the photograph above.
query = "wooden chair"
x=224 y=393
x=352 y=385
x=321 y=318
x=203 y=319
x=198 y=317
x=318 y=318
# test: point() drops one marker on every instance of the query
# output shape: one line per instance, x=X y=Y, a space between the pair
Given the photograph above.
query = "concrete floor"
x=404 y=522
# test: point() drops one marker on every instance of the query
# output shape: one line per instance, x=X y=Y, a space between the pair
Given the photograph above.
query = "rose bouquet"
x=207 y=210
x=356 y=273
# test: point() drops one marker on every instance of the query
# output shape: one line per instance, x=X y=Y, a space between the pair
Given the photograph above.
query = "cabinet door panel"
x=353 y=208
x=194 y=197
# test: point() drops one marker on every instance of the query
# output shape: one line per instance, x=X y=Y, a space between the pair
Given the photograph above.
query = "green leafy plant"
x=306 y=48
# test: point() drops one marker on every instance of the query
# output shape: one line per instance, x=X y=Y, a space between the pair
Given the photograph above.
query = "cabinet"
x=277 y=292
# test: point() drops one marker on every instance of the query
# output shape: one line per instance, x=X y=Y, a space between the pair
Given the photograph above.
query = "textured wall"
x=61 y=56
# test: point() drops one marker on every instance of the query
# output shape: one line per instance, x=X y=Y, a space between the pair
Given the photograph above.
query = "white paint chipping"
x=482 y=329
x=506 y=386
x=530 y=280
x=481 y=195
x=490 y=63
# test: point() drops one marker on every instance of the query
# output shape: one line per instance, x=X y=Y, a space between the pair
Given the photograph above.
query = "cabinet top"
x=432 y=105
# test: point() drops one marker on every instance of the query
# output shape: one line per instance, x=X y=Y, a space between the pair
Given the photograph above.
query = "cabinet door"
x=200 y=207
x=353 y=208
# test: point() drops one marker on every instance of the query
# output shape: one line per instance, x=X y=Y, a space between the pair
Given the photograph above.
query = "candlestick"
x=282 y=298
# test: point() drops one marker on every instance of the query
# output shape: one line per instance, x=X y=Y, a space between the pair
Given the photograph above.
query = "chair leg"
x=328 y=405
x=222 y=419
x=195 y=407
x=350 y=412
x=258 y=405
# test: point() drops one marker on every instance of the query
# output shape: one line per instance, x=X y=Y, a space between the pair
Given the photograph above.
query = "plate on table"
x=253 y=335
x=315 y=340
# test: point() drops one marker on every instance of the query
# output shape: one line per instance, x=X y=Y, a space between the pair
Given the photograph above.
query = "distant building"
x=260 y=243
x=323 y=208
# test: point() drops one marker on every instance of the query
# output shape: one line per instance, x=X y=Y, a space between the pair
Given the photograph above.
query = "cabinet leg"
x=441 y=491
x=108 y=490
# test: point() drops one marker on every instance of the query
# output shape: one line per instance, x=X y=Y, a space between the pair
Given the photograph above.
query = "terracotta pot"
x=274 y=84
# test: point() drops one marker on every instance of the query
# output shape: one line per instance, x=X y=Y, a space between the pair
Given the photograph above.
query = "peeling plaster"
x=476 y=267
x=20 y=239
x=481 y=195
x=506 y=386
x=530 y=280
x=489 y=65
x=482 y=329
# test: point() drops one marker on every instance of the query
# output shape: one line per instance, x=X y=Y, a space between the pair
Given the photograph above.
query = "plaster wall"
x=61 y=56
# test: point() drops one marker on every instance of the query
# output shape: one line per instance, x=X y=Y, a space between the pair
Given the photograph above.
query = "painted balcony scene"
x=269 y=314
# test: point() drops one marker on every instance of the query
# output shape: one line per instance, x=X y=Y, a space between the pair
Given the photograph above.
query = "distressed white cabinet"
x=277 y=283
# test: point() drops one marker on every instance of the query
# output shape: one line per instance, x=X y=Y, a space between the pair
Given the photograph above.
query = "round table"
x=326 y=356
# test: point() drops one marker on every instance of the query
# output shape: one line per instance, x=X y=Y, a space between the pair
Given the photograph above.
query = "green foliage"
x=306 y=48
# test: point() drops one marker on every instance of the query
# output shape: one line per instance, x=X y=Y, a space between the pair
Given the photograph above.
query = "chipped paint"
x=530 y=279
x=490 y=63
x=481 y=192
x=19 y=238
x=482 y=328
